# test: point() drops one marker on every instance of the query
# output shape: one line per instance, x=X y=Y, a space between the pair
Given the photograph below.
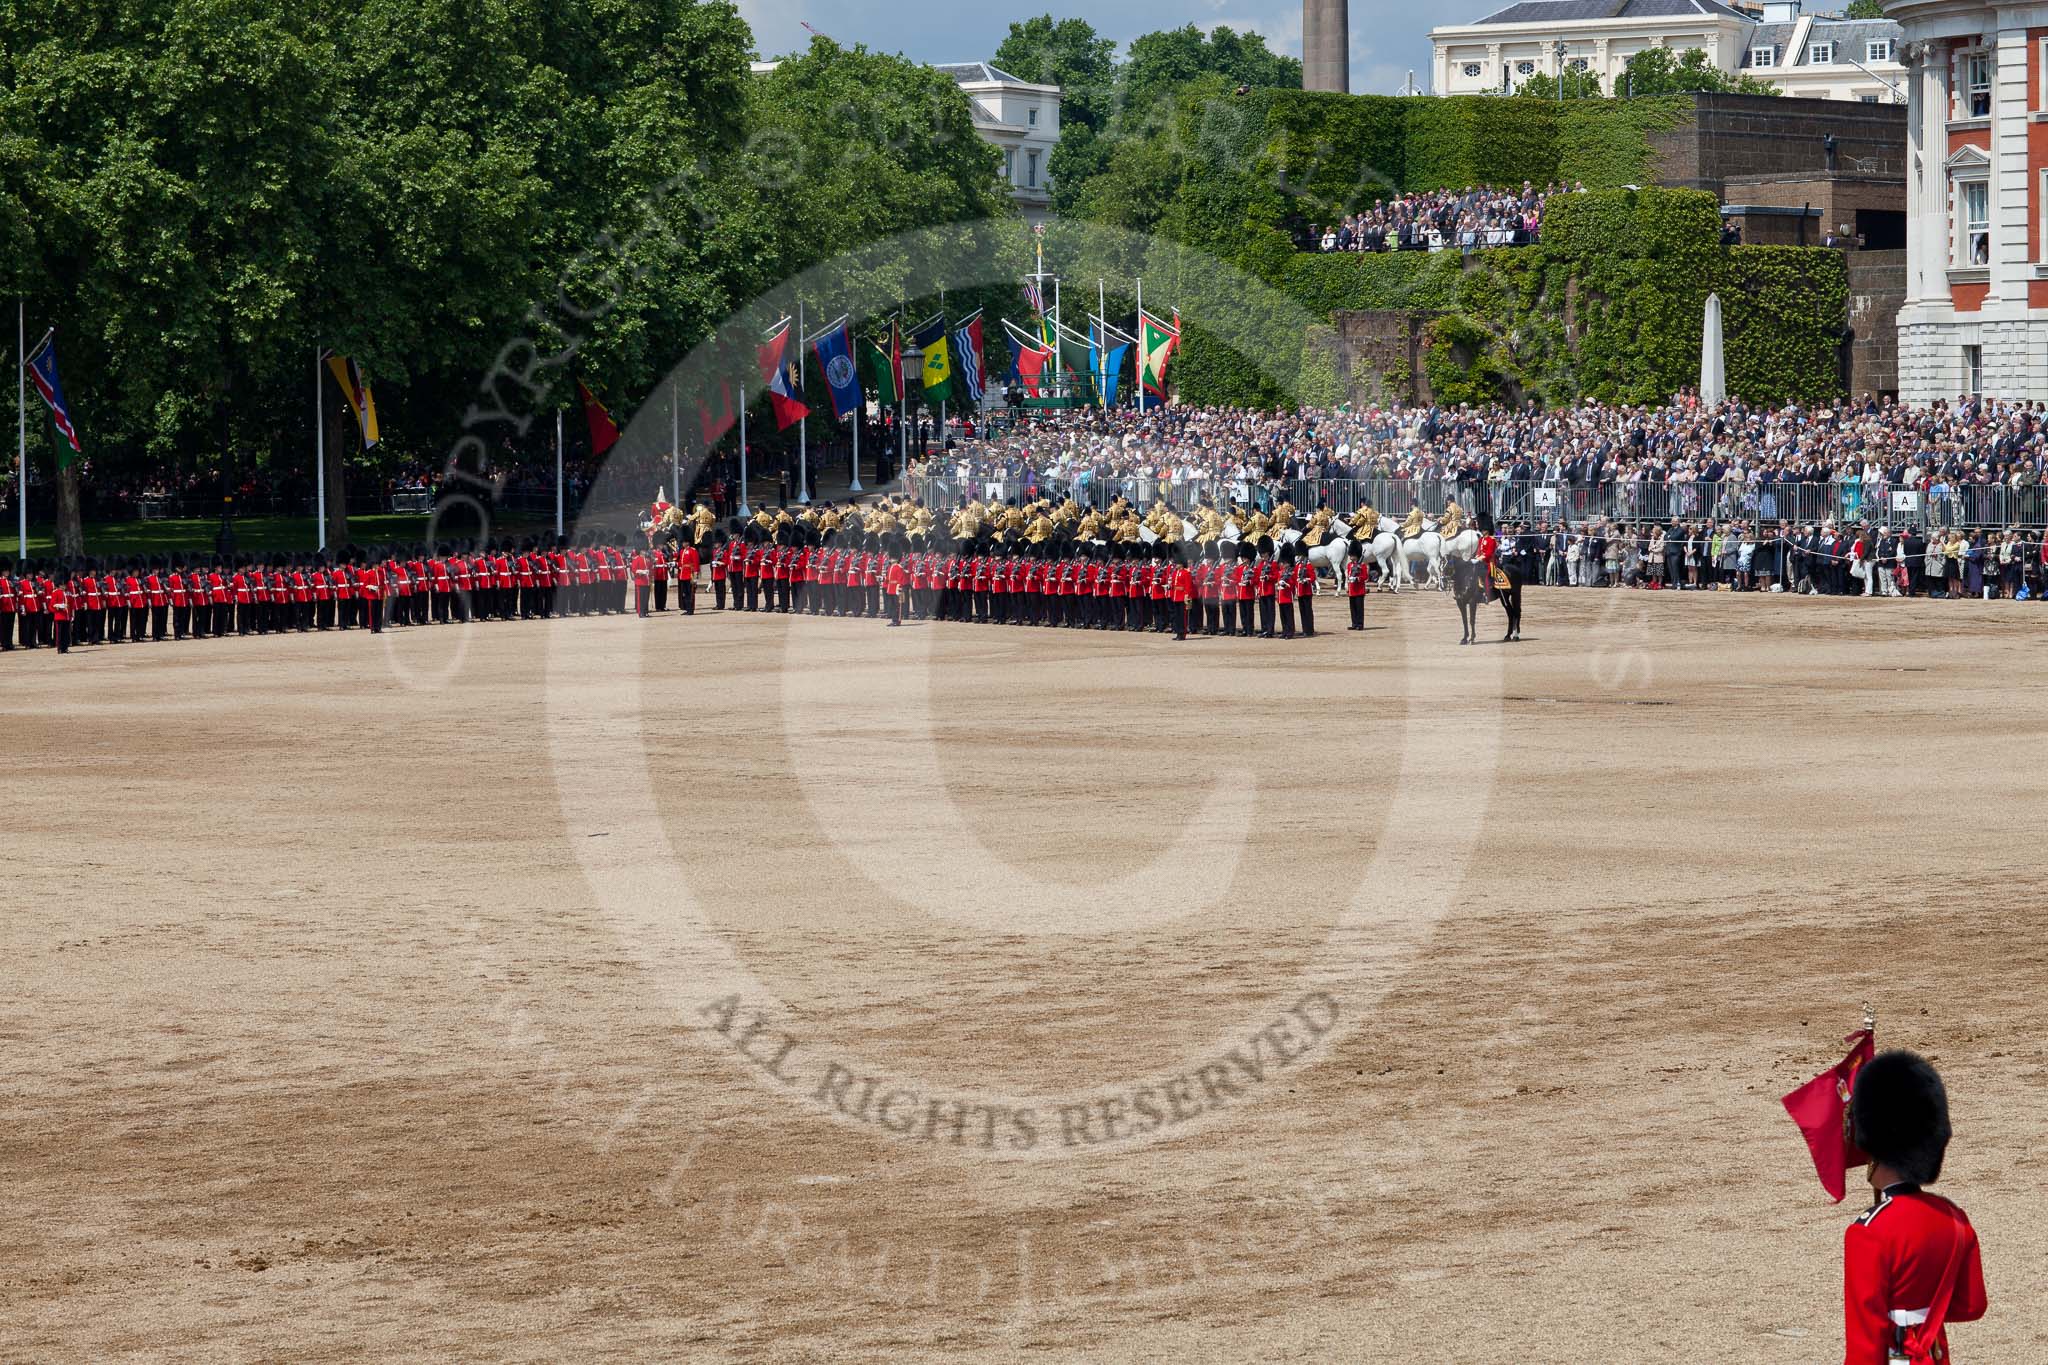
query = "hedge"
x=1609 y=307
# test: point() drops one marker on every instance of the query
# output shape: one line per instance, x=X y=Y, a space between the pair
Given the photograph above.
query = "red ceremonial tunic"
x=1909 y=1263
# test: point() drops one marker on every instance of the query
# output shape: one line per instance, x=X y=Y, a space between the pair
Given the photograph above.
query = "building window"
x=1868 y=99
x=1820 y=54
x=1973 y=211
x=1525 y=68
x=1473 y=68
x=1973 y=370
x=1031 y=170
x=1763 y=56
x=1878 y=50
x=1009 y=166
x=1579 y=63
x=1977 y=85
x=1031 y=117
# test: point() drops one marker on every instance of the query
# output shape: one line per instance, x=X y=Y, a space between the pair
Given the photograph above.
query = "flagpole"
x=320 y=447
x=743 y=449
x=1056 y=327
x=558 y=473
x=942 y=402
x=1140 y=375
x=1102 y=348
x=860 y=414
x=803 y=423
x=21 y=412
x=675 y=441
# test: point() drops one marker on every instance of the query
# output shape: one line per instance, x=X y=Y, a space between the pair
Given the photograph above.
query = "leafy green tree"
x=1161 y=62
x=1864 y=9
x=1657 y=71
x=1578 y=85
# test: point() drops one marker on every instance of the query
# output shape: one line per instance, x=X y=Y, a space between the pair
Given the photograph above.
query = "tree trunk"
x=340 y=428
x=70 y=527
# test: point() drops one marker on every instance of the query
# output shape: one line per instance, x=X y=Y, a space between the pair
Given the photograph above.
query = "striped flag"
x=970 y=363
x=356 y=390
x=42 y=372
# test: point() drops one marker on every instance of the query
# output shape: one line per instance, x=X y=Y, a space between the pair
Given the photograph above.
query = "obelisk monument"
x=1326 y=45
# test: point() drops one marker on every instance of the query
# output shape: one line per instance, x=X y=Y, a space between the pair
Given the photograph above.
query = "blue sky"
x=1387 y=39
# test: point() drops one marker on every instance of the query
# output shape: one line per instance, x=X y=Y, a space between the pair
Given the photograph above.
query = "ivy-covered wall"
x=1609 y=307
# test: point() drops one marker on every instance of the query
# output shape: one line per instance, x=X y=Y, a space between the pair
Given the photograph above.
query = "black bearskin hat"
x=1228 y=549
x=1898 y=1115
x=1484 y=521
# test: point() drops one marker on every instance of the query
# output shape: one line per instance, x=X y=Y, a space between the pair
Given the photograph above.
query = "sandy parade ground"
x=753 y=988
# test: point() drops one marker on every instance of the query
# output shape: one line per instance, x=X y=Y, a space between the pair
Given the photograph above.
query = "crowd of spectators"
x=1972 y=462
x=1464 y=220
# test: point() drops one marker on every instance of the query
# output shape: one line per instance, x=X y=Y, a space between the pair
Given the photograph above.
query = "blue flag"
x=967 y=357
x=1111 y=373
x=842 y=377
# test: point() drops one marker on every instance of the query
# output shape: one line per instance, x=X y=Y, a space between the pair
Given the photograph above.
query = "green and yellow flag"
x=930 y=335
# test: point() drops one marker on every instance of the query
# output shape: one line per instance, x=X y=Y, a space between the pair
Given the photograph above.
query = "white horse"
x=1429 y=548
x=1331 y=553
x=1463 y=545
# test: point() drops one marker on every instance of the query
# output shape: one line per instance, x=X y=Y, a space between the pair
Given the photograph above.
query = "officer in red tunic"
x=59 y=600
x=1355 y=573
x=686 y=567
x=1910 y=1263
x=1183 y=590
x=7 y=612
x=642 y=582
x=1503 y=579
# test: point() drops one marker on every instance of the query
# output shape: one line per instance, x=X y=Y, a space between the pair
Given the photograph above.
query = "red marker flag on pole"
x=1821 y=1109
x=604 y=432
x=715 y=424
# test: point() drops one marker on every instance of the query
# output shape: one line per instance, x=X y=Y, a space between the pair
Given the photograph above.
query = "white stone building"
x=1975 y=319
x=1808 y=54
x=1022 y=121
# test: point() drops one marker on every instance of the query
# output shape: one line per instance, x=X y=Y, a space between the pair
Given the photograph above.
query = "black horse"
x=1470 y=587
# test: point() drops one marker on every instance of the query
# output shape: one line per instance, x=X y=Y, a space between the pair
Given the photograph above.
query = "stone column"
x=1326 y=45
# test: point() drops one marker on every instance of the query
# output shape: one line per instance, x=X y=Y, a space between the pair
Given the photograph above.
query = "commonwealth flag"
x=930 y=336
x=778 y=372
x=42 y=372
x=1157 y=342
x=973 y=364
x=356 y=390
x=885 y=363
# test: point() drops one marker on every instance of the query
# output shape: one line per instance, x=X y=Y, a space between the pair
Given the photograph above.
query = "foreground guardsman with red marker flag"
x=1910 y=1263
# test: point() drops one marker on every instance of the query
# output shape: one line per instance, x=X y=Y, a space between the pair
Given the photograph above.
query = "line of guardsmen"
x=97 y=601
x=1229 y=588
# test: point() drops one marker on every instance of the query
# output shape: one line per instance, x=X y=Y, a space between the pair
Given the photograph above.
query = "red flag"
x=604 y=432
x=1030 y=365
x=778 y=372
x=716 y=424
x=1821 y=1109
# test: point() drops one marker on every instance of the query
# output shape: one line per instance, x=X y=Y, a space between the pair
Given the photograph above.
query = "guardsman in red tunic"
x=642 y=583
x=687 y=564
x=1910 y=1263
x=1305 y=590
x=32 y=603
x=893 y=583
x=8 y=611
x=1283 y=590
x=156 y=602
x=1355 y=574
x=1183 y=591
x=660 y=571
x=1265 y=577
x=59 y=599
x=370 y=592
x=721 y=567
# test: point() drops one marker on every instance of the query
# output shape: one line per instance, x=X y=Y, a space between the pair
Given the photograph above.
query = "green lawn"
x=122 y=539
